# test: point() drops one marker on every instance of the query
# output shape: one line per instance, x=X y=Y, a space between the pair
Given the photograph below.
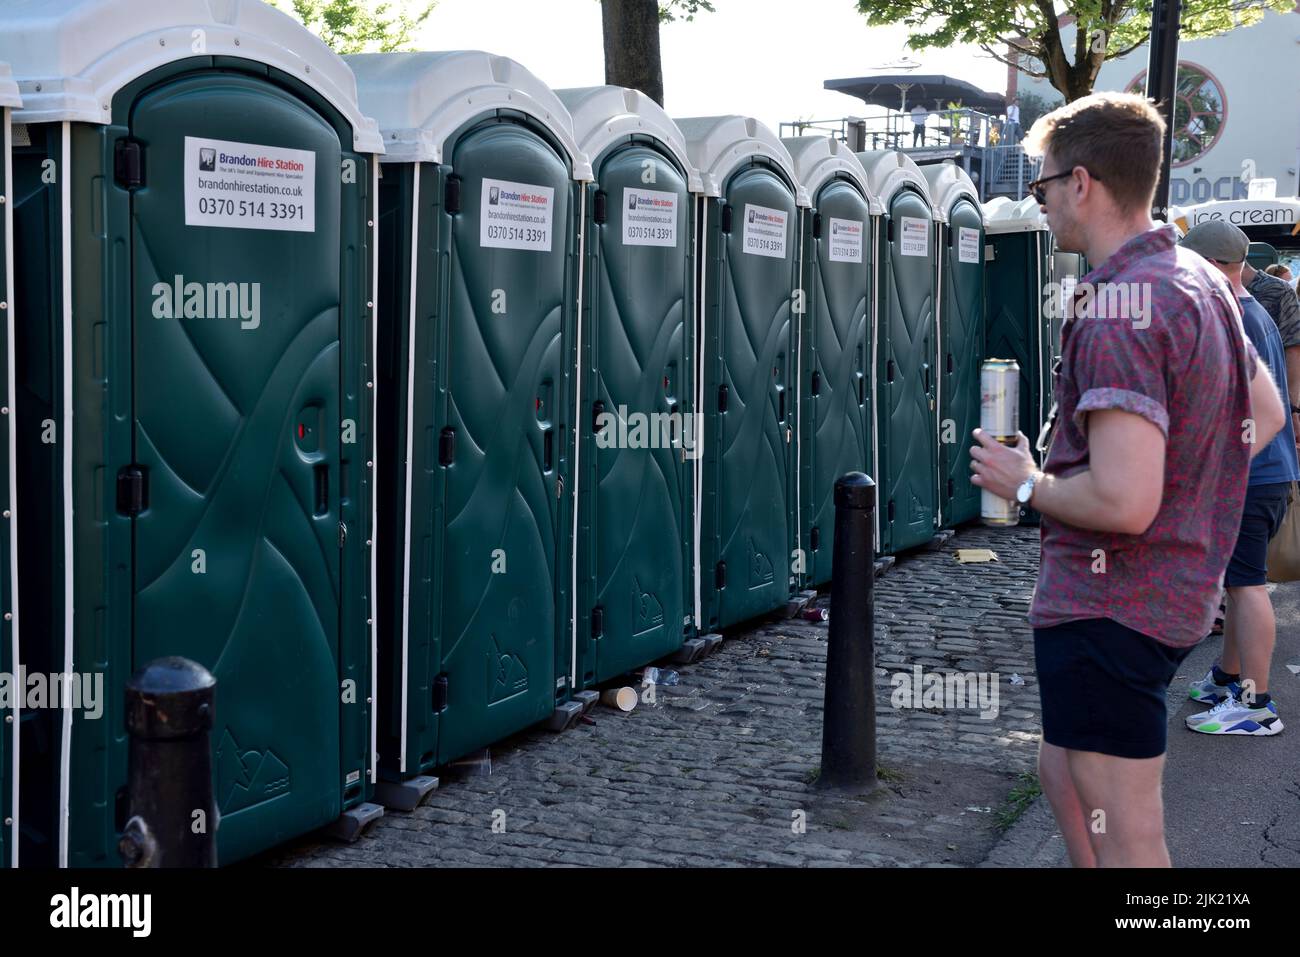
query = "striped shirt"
x=1280 y=302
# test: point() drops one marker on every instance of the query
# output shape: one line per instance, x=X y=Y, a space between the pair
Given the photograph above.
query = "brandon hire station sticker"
x=247 y=186
x=916 y=236
x=764 y=231
x=516 y=215
x=649 y=217
x=846 y=240
x=968 y=245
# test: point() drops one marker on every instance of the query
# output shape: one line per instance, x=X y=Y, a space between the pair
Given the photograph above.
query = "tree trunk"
x=631 y=30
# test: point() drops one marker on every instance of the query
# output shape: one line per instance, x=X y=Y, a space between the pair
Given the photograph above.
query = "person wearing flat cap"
x=1236 y=687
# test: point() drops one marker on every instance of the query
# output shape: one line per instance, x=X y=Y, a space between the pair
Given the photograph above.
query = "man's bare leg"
x=1250 y=634
x=1058 y=785
x=1131 y=832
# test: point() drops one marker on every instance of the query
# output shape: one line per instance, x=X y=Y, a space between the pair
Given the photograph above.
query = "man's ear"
x=1085 y=186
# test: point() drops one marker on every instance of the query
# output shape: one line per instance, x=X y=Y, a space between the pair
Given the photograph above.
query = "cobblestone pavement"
x=721 y=769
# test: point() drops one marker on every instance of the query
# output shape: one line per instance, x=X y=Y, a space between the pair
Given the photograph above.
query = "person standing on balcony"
x=919 y=115
x=1013 y=123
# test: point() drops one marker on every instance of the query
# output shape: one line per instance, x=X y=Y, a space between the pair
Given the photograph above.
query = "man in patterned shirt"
x=1142 y=490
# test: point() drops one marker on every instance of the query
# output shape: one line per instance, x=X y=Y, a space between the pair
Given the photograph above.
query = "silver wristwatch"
x=1026 y=490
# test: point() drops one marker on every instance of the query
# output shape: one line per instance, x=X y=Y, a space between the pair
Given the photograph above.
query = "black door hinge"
x=440 y=693
x=726 y=219
x=132 y=490
x=952 y=488
x=447 y=446
x=889 y=370
x=891 y=510
x=597 y=410
x=597 y=621
x=451 y=202
x=722 y=397
x=128 y=164
x=817 y=225
x=815 y=538
x=600 y=210
x=720 y=576
x=889 y=230
x=816 y=385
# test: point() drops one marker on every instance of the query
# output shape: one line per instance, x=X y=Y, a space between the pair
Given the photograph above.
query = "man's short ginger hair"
x=1117 y=137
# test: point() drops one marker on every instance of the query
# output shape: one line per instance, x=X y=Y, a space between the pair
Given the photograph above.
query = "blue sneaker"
x=1206 y=691
x=1230 y=716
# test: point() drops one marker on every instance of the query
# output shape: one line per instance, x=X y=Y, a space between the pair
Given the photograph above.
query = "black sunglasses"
x=1035 y=186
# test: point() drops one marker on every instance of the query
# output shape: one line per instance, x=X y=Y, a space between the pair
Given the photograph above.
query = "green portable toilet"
x=834 y=414
x=193 y=247
x=12 y=711
x=479 y=252
x=748 y=242
x=1018 y=305
x=960 y=339
x=904 y=336
x=634 y=551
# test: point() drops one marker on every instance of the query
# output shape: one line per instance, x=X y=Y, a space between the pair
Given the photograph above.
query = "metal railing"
x=971 y=138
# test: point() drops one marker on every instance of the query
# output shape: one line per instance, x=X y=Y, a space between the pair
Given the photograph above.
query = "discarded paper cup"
x=624 y=699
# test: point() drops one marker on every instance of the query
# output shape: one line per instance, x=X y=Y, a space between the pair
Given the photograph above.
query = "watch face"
x=1025 y=491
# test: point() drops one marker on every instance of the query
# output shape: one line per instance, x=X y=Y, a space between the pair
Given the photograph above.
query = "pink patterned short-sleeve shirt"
x=1184 y=365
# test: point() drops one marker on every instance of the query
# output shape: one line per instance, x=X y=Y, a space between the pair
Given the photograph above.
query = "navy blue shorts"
x=1102 y=687
x=1260 y=519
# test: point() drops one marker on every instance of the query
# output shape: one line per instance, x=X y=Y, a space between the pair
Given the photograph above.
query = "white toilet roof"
x=888 y=171
x=818 y=159
x=718 y=145
x=420 y=99
x=603 y=115
x=70 y=57
x=949 y=183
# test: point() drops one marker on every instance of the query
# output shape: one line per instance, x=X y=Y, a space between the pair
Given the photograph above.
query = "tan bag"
x=1284 y=547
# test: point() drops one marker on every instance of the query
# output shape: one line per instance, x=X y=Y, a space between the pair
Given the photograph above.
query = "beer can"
x=999 y=419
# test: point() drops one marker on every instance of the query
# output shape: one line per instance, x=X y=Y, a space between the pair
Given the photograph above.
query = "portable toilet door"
x=960 y=339
x=834 y=414
x=634 y=548
x=905 y=348
x=195 y=275
x=748 y=271
x=12 y=709
x=479 y=211
x=1017 y=326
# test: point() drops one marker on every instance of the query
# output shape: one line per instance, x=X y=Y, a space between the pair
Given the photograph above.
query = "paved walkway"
x=720 y=770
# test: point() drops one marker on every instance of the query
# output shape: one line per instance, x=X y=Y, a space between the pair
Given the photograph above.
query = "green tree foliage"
x=1027 y=34
x=361 y=26
x=1032 y=106
x=670 y=10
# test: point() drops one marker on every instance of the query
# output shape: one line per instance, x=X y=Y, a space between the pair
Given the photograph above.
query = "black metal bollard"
x=849 y=718
x=169 y=714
